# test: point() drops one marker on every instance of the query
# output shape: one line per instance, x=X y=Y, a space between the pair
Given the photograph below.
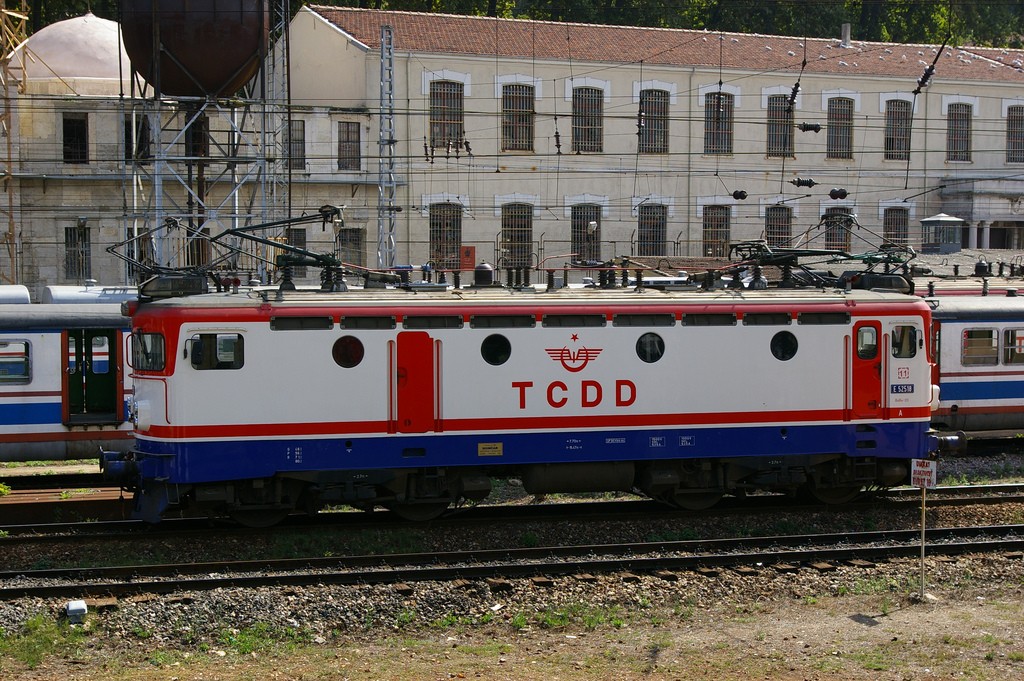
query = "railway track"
x=99 y=530
x=821 y=552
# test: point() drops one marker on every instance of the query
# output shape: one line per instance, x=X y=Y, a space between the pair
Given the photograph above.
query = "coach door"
x=416 y=383
x=91 y=376
x=866 y=370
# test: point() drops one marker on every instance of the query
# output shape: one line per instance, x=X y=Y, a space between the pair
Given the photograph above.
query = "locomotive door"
x=91 y=381
x=416 y=383
x=866 y=370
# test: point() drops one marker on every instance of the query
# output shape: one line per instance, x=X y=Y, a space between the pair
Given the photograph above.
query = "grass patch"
x=4 y=489
x=40 y=638
x=263 y=638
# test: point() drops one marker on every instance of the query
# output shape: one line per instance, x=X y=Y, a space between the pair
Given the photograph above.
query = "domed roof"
x=83 y=47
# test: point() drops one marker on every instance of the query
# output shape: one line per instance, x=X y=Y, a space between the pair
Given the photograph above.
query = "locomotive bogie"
x=429 y=395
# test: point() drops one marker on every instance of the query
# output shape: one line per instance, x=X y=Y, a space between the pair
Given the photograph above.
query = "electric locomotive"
x=255 y=404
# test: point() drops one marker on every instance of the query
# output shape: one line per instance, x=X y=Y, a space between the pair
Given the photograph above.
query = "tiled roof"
x=543 y=40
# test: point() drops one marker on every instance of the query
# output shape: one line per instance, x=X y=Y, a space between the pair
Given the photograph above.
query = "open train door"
x=92 y=388
x=866 y=370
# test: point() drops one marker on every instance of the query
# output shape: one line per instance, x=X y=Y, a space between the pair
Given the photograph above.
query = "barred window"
x=837 y=228
x=349 y=243
x=778 y=225
x=76 y=137
x=716 y=231
x=896 y=226
x=653 y=131
x=349 y=146
x=958 y=132
x=840 y=128
x=296 y=145
x=587 y=119
x=77 y=252
x=197 y=137
x=780 y=127
x=446 y=113
x=296 y=236
x=516 y=234
x=137 y=139
x=1015 y=134
x=718 y=112
x=517 y=117
x=652 y=228
x=586 y=232
x=897 y=129
x=445 y=234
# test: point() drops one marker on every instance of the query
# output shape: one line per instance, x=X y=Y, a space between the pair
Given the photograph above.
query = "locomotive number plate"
x=901 y=388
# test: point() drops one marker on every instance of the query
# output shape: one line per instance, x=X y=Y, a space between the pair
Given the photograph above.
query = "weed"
x=42 y=637
x=1015 y=657
x=810 y=600
x=405 y=617
x=529 y=540
x=262 y=637
x=518 y=622
x=4 y=489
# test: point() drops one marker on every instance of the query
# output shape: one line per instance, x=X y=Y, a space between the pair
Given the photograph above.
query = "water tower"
x=205 y=126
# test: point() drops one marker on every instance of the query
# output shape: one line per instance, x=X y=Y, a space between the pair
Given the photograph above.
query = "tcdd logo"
x=570 y=360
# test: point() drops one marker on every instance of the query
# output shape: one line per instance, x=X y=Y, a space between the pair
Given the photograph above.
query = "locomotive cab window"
x=216 y=351
x=905 y=341
x=15 y=366
x=867 y=342
x=148 y=352
x=979 y=347
x=1013 y=346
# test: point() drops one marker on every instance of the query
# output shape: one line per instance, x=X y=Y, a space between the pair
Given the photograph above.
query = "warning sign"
x=923 y=473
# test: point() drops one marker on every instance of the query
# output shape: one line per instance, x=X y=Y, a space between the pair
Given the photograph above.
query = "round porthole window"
x=348 y=351
x=784 y=345
x=496 y=349
x=650 y=347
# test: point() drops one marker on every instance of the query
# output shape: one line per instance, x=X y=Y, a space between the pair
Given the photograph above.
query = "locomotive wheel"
x=418 y=513
x=259 y=517
x=833 y=495
x=696 y=501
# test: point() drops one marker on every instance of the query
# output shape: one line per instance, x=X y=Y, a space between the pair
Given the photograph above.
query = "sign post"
x=923 y=474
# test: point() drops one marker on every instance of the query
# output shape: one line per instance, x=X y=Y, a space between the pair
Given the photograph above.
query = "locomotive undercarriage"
x=424 y=494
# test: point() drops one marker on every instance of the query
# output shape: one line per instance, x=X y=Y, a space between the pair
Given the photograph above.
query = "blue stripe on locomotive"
x=200 y=462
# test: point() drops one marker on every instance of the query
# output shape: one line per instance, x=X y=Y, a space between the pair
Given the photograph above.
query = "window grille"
x=137 y=139
x=840 y=128
x=445 y=234
x=780 y=127
x=958 y=132
x=517 y=117
x=446 y=114
x=349 y=243
x=896 y=226
x=837 y=228
x=297 y=145
x=653 y=132
x=716 y=231
x=77 y=252
x=516 y=234
x=1015 y=134
x=587 y=119
x=652 y=228
x=586 y=238
x=897 y=129
x=349 y=146
x=296 y=236
x=778 y=225
x=718 y=113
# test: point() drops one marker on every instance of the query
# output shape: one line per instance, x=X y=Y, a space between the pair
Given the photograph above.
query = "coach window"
x=904 y=341
x=14 y=362
x=979 y=347
x=784 y=346
x=496 y=349
x=867 y=342
x=216 y=351
x=148 y=352
x=1013 y=346
x=650 y=347
x=348 y=352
